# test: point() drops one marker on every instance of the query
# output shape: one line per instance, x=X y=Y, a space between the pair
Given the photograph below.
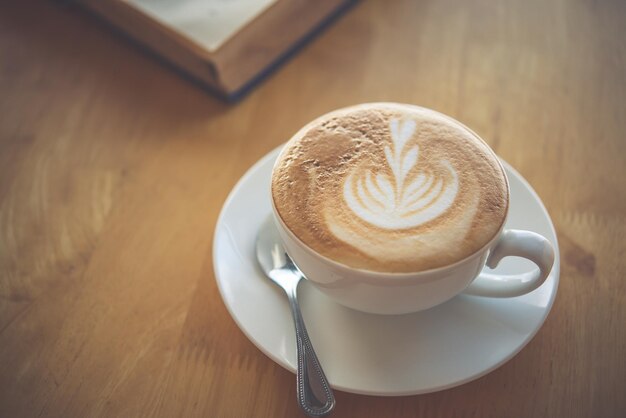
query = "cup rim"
x=401 y=276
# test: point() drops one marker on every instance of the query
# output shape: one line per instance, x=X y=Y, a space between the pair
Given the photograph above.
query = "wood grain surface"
x=113 y=170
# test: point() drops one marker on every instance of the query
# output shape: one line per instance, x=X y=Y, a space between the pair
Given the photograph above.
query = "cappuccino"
x=390 y=188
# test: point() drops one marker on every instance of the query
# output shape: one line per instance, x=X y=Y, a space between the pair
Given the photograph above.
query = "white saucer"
x=448 y=345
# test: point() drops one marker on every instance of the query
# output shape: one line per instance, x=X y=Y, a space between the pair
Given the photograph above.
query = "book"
x=226 y=45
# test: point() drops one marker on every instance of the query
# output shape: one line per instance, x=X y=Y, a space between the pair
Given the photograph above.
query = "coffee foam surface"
x=390 y=187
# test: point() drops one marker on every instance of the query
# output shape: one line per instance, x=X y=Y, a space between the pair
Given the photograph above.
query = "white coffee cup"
x=399 y=293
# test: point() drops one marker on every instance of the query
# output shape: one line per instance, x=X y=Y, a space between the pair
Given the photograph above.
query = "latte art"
x=390 y=187
x=400 y=200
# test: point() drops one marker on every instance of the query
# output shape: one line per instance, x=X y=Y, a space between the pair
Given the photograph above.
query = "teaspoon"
x=315 y=395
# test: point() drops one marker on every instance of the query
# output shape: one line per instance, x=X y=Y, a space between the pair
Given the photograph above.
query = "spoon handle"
x=314 y=393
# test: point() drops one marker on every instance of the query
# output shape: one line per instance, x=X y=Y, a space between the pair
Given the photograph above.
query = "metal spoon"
x=314 y=393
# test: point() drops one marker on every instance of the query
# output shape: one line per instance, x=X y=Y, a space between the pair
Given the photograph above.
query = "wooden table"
x=113 y=171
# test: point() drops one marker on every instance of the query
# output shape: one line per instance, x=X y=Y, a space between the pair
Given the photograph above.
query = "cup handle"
x=514 y=242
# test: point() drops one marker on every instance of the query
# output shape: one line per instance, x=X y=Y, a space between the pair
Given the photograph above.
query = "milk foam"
x=390 y=187
x=400 y=200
